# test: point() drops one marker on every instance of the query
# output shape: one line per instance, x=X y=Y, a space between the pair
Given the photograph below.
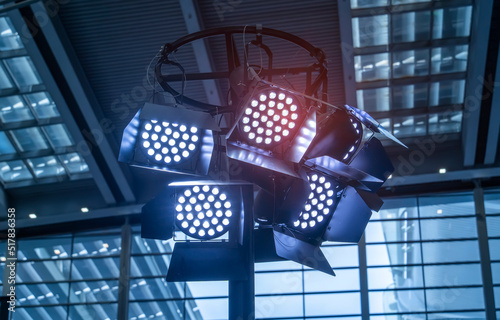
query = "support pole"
x=124 y=284
x=242 y=293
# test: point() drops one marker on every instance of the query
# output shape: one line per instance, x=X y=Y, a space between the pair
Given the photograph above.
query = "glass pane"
x=447 y=92
x=48 y=248
x=494 y=252
x=5 y=145
x=50 y=293
x=396 y=301
x=94 y=291
x=410 y=63
x=412 y=316
x=452 y=22
x=453 y=205
x=316 y=281
x=198 y=289
x=162 y=310
x=332 y=304
x=74 y=162
x=341 y=256
x=23 y=71
x=411 y=26
x=5 y=82
x=370 y=31
x=9 y=38
x=450 y=122
x=408 y=1
x=389 y=231
x=278 y=283
x=98 y=245
x=373 y=100
x=142 y=266
x=399 y=208
x=450 y=251
x=156 y=288
x=410 y=126
x=495 y=272
x=455 y=315
x=452 y=275
x=493 y=226
x=14 y=171
x=372 y=67
x=455 y=228
x=409 y=97
x=58 y=135
x=92 y=311
x=142 y=245
x=449 y=59
x=210 y=309
x=42 y=271
x=279 y=265
x=492 y=203
x=13 y=109
x=46 y=167
x=454 y=299
x=368 y=3
x=53 y=313
x=393 y=254
x=30 y=139
x=95 y=268
x=395 y=278
x=43 y=105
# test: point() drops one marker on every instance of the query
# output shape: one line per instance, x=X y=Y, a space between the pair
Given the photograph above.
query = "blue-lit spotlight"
x=169 y=138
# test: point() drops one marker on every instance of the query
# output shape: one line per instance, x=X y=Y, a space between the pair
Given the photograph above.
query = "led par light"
x=169 y=138
x=202 y=210
x=320 y=204
x=273 y=126
x=272 y=117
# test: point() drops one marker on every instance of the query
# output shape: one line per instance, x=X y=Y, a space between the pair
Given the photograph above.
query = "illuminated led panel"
x=203 y=212
x=169 y=138
x=320 y=204
x=271 y=117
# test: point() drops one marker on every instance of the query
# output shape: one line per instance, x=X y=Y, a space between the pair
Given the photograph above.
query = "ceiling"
x=417 y=66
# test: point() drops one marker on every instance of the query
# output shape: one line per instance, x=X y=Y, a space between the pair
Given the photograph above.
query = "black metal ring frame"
x=312 y=86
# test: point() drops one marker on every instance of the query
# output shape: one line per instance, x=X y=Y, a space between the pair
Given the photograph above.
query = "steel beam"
x=201 y=53
x=344 y=11
x=484 y=252
x=86 y=101
x=52 y=88
x=494 y=125
x=478 y=49
x=458 y=175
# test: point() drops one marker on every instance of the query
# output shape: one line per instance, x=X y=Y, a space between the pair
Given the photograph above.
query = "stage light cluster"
x=203 y=212
x=270 y=118
x=166 y=142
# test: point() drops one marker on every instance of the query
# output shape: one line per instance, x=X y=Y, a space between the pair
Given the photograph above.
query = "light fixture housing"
x=202 y=210
x=221 y=257
x=169 y=138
